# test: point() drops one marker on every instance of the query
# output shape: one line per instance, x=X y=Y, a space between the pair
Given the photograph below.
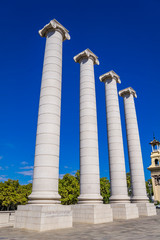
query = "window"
x=156 y=162
x=154 y=147
x=157 y=179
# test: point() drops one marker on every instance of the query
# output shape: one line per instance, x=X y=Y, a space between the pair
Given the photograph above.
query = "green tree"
x=69 y=189
x=149 y=188
x=148 y=182
x=1 y=199
x=77 y=176
x=13 y=194
x=23 y=192
x=128 y=178
x=105 y=189
x=8 y=194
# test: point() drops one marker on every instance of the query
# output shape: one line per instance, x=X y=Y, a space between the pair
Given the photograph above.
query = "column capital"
x=86 y=54
x=109 y=76
x=54 y=25
x=127 y=91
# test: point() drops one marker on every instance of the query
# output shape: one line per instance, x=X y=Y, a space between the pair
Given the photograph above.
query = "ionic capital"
x=54 y=25
x=127 y=91
x=86 y=54
x=109 y=76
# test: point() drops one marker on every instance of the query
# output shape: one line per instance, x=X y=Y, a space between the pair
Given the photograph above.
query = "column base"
x=90 y=199
x=139 y=199
x=43 y=202
x=91 y=213
x=43 y=217
x=146 y=209
x=44 y=198
x=124 y=211
x=119 y=199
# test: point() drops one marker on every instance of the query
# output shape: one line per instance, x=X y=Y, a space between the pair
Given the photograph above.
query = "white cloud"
x=30 y=181
x=24 y=163
x=67 y=167
x=26 y=173
x=73 y=172
x=61 y=176
x=26 y=167
x=3 y=178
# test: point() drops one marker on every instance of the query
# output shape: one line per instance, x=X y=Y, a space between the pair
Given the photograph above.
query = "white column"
x=119 y=192
x=89 y=156
x=46 y=164
x=134 y=147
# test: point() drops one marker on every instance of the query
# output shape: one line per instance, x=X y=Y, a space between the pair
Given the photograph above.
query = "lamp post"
x=130 y=191
x=150 y=191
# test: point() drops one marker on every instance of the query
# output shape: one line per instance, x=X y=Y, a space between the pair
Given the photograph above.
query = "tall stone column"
x=119 y=192
x=134 y=147
x=42 y=213
x=89 y=156
x=46 y=164
x=90 y=208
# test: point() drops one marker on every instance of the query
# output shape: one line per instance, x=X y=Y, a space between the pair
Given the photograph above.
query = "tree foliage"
x=77 y=176
x=149 y=189
x=105 y=189
x=128 y=178
x=13 y=194
x=69 y=189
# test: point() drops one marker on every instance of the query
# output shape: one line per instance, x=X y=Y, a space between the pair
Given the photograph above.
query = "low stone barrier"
x=6 y=218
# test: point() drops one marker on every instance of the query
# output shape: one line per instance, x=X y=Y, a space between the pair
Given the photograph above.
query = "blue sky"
x=125 y=35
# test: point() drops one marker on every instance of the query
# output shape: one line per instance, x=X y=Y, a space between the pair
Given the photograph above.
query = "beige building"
x=155 y=168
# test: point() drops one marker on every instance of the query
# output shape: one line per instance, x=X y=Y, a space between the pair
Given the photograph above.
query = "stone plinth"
x=43 y=217
x=94 y=214
x=124 y=211
x=146 y=209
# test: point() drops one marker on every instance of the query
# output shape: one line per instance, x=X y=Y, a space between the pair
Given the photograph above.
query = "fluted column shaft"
x=46 y=164
x=134 y=148
x=115 y=143
x=89 y=156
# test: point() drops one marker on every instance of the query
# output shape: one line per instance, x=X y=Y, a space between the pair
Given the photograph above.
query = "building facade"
x=155 y=169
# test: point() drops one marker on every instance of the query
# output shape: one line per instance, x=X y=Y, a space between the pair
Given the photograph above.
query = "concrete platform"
x=124 y=211
x=43 y=217
x=94 y=213
x=145 y=228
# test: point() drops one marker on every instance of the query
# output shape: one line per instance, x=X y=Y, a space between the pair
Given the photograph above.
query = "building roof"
x=154 y=142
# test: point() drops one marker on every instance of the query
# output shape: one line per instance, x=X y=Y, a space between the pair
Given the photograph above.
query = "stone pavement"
x=142 y=228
